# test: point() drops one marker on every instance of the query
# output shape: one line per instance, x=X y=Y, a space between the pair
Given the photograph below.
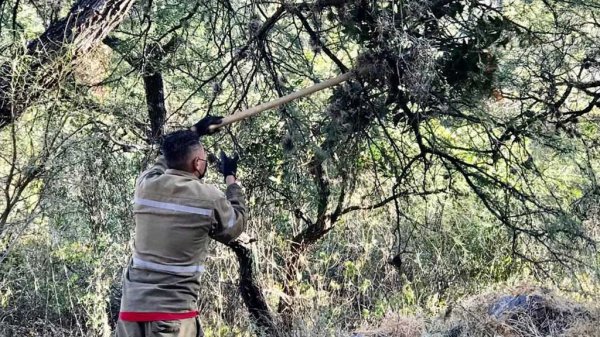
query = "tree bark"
x=308 y=236
x=155 y=99
x=149 y=66
x=252 y=293
x=51 y=56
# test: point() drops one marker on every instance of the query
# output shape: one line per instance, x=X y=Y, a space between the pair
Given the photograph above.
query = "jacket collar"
x=181 y=173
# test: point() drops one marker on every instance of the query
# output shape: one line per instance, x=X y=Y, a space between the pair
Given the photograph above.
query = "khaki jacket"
x=176 y=215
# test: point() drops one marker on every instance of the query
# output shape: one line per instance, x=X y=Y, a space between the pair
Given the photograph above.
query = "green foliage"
x=463 y=155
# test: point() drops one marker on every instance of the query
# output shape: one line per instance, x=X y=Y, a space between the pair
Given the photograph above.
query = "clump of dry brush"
x=524 y=311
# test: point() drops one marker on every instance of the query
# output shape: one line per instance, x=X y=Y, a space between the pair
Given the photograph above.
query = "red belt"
x=136 y=316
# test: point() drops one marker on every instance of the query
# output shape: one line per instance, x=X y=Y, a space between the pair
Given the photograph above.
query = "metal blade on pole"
x=282 y=100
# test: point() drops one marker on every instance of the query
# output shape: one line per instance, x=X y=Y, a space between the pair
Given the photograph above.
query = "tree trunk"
x=155 y=99
x=286 y=302
x=252 y=293
x=148 y=65
x=308 y=236
x=52 y=55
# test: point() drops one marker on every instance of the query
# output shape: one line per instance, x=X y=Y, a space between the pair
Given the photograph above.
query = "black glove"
x=228 y=165
x=202 y=127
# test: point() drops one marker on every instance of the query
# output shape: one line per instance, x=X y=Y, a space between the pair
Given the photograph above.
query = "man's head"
x=183 y=151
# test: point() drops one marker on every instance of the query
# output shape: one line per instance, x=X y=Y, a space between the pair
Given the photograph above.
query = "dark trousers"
x=189 y=327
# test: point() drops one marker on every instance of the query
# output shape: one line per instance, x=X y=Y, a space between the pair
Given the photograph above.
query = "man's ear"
x=197 y=164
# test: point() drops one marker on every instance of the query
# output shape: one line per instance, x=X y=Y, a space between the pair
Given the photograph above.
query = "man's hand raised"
x=202 y=128
x=228 y=165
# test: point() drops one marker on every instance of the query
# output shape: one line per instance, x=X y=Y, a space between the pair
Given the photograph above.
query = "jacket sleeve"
x=230 y=215
x=159 y=168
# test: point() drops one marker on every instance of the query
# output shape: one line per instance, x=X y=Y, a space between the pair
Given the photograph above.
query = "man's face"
x=199 y=162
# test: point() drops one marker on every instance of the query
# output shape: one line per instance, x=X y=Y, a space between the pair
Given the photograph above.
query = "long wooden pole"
x=281 y=100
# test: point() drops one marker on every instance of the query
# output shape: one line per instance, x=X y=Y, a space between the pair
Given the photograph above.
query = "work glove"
x=228 y=165
x=202 y=127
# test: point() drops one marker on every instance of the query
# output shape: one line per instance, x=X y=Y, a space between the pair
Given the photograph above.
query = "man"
x=175 y=217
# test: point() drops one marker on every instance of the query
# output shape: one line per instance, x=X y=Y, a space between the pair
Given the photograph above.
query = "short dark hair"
x=178 y=146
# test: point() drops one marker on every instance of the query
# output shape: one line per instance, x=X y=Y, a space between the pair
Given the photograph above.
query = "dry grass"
x=548 y=315
x=589 y=327
x=396 y=326
x=38 y=329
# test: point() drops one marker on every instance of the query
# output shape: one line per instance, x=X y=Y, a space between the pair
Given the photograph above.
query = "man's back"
x=176 y=215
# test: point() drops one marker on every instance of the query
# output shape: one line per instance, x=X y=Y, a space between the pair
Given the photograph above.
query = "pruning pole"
x=241 y=115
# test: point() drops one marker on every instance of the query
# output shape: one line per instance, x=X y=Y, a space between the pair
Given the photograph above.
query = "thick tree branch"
x=56 y=50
